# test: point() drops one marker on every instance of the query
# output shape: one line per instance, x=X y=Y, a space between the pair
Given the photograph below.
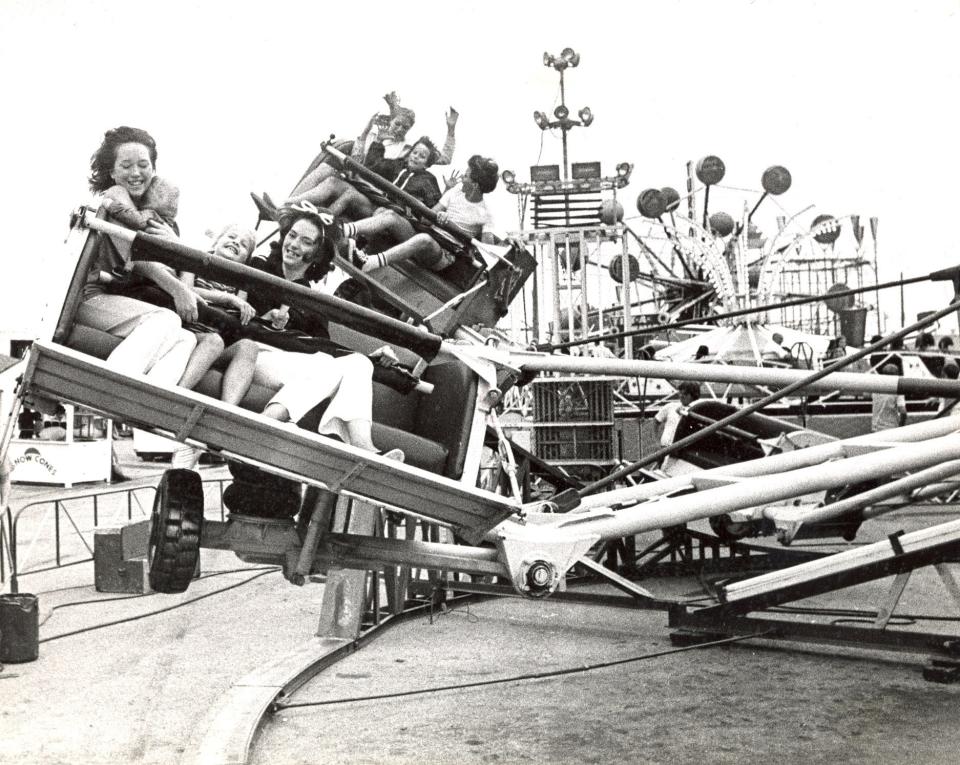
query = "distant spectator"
x=925 y=341
x=669 y=415
x=778 y=339
x=599 y=350
x=889 y=409
x=54 y=432
x=702 y=352
x=946 y=344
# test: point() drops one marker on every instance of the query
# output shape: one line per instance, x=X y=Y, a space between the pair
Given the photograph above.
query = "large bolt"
x=540 y=577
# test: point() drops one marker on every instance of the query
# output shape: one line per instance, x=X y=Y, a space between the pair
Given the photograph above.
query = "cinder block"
x=120 y=558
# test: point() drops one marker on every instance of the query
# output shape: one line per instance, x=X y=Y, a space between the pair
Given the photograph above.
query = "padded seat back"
x=436 y=426
x=444 y=416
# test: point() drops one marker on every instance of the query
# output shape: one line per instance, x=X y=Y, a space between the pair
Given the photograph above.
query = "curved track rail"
x=233 y=724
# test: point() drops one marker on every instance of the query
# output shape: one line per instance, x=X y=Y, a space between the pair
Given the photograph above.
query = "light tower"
x=568 y=58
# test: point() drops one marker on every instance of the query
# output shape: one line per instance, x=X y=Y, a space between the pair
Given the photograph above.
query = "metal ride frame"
x=530 y=545
x=531 y=548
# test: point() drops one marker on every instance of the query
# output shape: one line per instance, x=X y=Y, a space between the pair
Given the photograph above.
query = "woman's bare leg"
x=239 y=372
x=323 y=193
x=383 y=225
x=352 y=205
x=359 y=434
x=314 y=178
x=422 y=247
x=208 y=349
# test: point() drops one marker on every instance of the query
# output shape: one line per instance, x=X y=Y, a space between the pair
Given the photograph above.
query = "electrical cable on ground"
x=93 y=601
x=279 y=706
x=57 y=607
x=158 y=611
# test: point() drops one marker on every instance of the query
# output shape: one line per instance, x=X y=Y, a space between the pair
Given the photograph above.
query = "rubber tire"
x=175 y=530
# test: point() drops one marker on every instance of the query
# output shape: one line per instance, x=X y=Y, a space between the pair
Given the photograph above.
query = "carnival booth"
x=71 y=447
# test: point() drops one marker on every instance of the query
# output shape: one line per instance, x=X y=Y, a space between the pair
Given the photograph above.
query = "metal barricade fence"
x=57 y=510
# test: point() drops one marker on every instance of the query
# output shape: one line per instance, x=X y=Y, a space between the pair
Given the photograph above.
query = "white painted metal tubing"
x=845 y=381
x=752 y=492
x=936 y=489
x=777 y=463
x=864 y=499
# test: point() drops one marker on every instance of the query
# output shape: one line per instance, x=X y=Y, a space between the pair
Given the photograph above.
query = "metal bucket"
x=19 y=628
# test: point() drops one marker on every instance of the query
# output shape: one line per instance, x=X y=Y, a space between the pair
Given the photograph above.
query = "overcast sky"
x=857 y=99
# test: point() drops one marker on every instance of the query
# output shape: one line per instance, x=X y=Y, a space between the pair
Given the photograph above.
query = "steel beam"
x=728 y=373
x=358 y=551
x=782 y=628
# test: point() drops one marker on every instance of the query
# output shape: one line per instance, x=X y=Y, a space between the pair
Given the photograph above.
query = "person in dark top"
x=463 y=206
x=153 y=340
x=410 y=173
x=304 y=254
x=310 y=238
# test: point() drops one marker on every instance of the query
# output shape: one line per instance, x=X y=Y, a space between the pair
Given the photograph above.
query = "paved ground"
x=139 y=691
x=718 y=705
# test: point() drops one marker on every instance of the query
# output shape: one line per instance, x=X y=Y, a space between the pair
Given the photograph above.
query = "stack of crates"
x=573 y=423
